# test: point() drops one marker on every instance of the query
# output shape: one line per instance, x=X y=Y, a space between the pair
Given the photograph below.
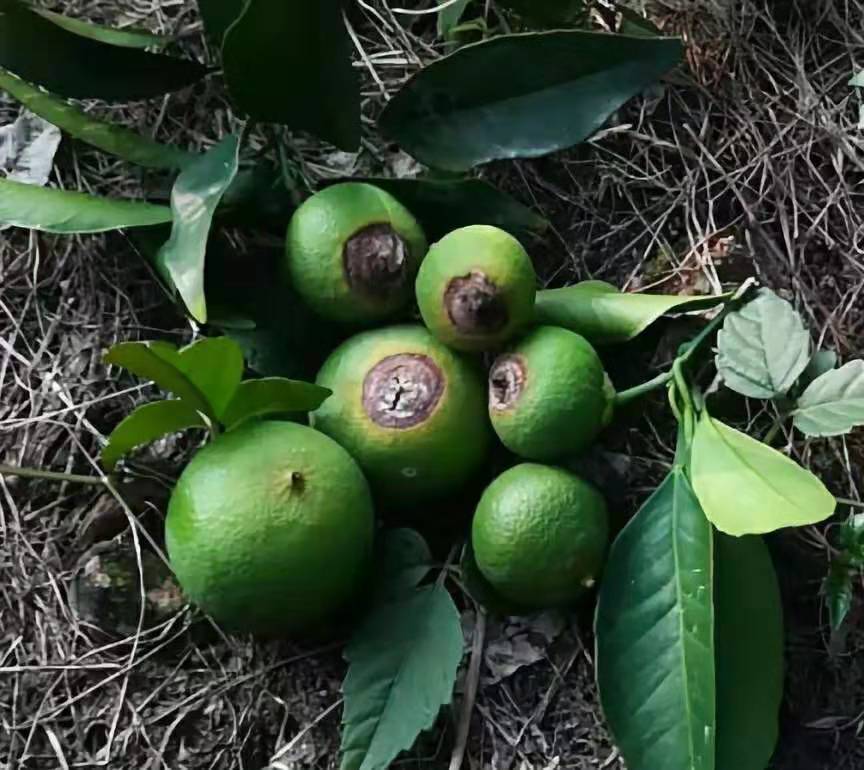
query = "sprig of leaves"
x=845 y=566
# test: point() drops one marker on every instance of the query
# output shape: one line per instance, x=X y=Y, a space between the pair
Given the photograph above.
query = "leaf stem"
x=37 y=473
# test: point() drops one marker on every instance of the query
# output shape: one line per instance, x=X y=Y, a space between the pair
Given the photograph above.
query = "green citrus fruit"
x=411 y=411
x=270 y=528
x=540 y=535
x=549 y=395
x=476 y=288
x=353 y=252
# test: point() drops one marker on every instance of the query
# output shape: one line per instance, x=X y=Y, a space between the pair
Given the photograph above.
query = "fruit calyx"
x=375 y=260
x=506 y=382
x=401 y=391
x=475 y=305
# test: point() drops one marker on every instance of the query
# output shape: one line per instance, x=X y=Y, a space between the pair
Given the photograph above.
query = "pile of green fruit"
x=271 y=527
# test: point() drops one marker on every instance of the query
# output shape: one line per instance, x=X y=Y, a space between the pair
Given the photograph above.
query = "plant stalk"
x=36 y=473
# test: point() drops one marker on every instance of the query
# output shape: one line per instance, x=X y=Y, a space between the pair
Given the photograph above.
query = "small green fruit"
x=270 y=528
x=476 y=288
x=540 y=535
x=408 y=409
x=549 y=395
x=353 y=252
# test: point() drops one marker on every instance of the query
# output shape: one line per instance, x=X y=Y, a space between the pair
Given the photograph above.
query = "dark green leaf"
x=443 y=206
x=771 y=491
x=546 y=11
x=257 y=196
x=838 y=593
x=290 y=63
x=160 y=362
x=148 y=423
x=404 y=559
x=850 y=540
x=124 y=38
x=763 y=348
x=111 y=138
x=749 y=644
x=449 y=17
x=822 y=361
x=833 y=404
x=194 y=198
x=215 y=366
x=521 y=95
x=604 y=315
x=632 y=23
x=403 y=663
x=59 y=211
x=655 y=634
x=218 y=15
x=41 y=52
x=272 y=395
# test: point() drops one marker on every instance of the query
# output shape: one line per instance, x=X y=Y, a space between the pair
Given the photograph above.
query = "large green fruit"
x=549 y=395
x=540 y=535
x=270 y=528
x=409 y=410
x=476 y=288
x=353 y=252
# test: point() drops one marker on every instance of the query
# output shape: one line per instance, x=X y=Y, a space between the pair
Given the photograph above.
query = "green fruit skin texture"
x=315 y=243
x=260 y=551
x=540 y=535
x=407 y=465
x=566 y=398
x=485 y=249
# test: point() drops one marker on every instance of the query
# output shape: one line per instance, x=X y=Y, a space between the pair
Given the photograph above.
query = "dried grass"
x=749 y=164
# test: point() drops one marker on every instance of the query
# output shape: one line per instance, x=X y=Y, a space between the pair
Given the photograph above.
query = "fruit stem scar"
x=375 y=260
x=402 y=391
x=474 y=304
x=506 y=382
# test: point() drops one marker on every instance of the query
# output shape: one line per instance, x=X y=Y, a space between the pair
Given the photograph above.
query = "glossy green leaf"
x=747 y=488
x=655 y=634
x=110 y=137
x=450 y=16
x=749 y=644
x=257 y=197
x=546 y=11
x=218 y=15
x=519 y=96
x=124 y=38
x=70 y=65
x=194 y=198
x=763 y=348
x=839 y=593
x=833 y=404
x=160 y=362
x=403 y=661
x=604 y=315
x=59 y=211
x=443 y=206
x=404 y=560
x=290 y=63
x=272 y=395
x=215 y=366
x=148 y=423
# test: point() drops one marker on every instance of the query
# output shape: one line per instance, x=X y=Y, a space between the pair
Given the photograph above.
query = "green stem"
x=631 y=394
x=36 y=473
x=774 y=429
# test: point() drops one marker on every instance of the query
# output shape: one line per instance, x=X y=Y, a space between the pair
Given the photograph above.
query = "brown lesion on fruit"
x=375 y=260
x=401 y=391
x=475 y=305
x=506 y=382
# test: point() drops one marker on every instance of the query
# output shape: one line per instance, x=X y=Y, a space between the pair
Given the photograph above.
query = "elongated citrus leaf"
x=443 y=206
x=194 y=198
x=519 y=96
x=68 y=64
x=124 y=38
x=763 y=348
x=450 y=16
x=215 y=366
x=59 y=211
x=604 y=315
x=749 y=644
x=290 y=63
x=272 y=395
x=655 y=634
x=148 y=423
x=546 y=11
x=404 y=559
x=257 y=196
x=110 y=137
x=747 y=488
x=160 y=362
x=403 y=662
x=218 y=15
x=833 y=404
x=839 y=593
